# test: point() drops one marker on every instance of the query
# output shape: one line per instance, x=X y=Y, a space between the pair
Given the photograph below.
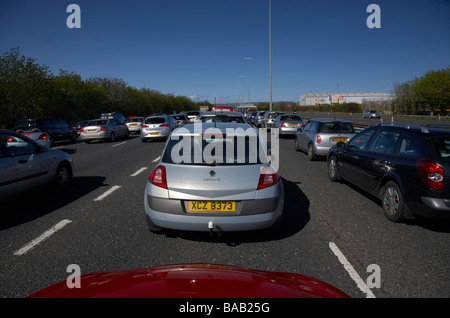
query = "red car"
x=193 y=281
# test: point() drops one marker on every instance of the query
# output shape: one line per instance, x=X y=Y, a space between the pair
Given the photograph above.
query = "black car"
x=56 y=128
x=407 y=167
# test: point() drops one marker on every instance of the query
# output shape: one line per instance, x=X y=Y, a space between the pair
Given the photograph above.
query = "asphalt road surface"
x=331 y=231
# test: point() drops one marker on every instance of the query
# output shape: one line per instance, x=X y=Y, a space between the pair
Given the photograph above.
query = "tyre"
x=63 y=176
x=297 y=148
x=311 y=155
x=333 y=172
x=392 y=202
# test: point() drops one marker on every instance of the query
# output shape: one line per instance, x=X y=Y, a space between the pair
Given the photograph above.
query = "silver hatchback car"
x=103 y=129
x=288 y=123
x=320 y=134
x=156 y=127
x=214 y=177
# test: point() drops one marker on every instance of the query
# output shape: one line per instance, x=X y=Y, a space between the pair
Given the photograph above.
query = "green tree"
x=433 y=90
x=24 y=87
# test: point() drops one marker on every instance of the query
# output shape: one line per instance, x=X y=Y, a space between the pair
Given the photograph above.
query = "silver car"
x=38 y=136
x=260 y=118
x=104 y=129
x=371 y=114
x=27 y=166
x=320 y=134
x=269 y=118
x=288 y=123
x=155 y=127
x=209 y=178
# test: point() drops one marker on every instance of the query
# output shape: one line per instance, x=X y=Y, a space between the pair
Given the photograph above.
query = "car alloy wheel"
x=392 y=202
x=333 y=174
x=63 y=176
x=311 y=154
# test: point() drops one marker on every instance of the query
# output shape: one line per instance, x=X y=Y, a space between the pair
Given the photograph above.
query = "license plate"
x=212 y=206
x=92 y=130
x=153 y=134
x=133 y=125
x=293 y=125
x=339 y=139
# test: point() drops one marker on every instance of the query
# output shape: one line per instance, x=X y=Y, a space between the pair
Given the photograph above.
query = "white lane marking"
x=43 y=237
x=119 y=144
x=157 y=159
x=104 y=195
x=138 y=172
x=351 y=271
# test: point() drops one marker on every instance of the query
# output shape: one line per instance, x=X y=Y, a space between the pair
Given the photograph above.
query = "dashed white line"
x=104 y=195
x=157 y=159
x=351 y=271
x=42 y=237
x=119 y=144
x=138 y=172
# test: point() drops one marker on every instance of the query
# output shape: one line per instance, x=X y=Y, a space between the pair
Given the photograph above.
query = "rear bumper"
x=432 y=207
x=251 y=215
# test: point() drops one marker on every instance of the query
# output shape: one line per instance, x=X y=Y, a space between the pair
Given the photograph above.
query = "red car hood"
x=193 y=281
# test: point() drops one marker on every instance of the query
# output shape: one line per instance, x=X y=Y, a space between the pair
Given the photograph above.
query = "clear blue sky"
x=197 y=47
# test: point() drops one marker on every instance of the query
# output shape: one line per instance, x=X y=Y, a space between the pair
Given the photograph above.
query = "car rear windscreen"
x=336 y=127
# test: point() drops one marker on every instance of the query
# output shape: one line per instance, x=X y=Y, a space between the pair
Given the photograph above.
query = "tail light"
x=432 y=174
x=42 y=137
x=158 y=177
x=12 y=139
x=102 y=128
x=144 y=126
x=284 y=124
x=268 y=178
x=164 y=125
x=81 y=130
x=318 y=139
x=184 y=121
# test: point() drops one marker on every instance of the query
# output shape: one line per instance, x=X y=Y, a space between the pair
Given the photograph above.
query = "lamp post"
x=248 y=77
x=270 y=51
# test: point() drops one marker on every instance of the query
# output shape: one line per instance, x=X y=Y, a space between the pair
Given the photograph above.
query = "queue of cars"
x=406 y=167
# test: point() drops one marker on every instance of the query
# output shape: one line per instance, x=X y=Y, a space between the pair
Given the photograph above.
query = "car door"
x=303 y=136
x=121 y=128
x=31 y=163
x=8 y=175
x=378 y=159
x=350 y=164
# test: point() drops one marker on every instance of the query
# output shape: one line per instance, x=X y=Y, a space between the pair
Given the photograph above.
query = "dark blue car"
x=406 y=167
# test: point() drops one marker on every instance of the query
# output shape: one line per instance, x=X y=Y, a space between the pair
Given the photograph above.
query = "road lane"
x=111 y=234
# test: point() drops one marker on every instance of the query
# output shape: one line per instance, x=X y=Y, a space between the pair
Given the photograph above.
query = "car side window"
x=360 y=141
x=384 y=142
x=409 y=148
x=307 y=127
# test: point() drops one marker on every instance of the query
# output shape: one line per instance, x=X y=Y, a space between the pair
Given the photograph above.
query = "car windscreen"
x=441 y=145
x=336 y=127
x=214 y=150
x=290 y=118
x=155 y=120
x=222 y=119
